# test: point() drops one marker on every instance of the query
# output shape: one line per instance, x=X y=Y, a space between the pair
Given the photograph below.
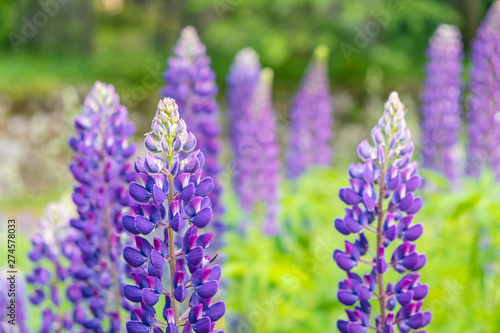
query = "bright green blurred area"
x=289 y=283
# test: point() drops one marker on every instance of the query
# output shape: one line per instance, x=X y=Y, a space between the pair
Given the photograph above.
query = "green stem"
x=171 y=246
x=380 y=238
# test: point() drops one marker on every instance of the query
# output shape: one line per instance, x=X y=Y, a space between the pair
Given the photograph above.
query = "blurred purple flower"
x=254 y=137
x=190 y=81
x=484 y=103
x=53 y=250
x=441 y=101
x=382 y=201
x=102 y=170
x=311 y=118
x=243 y=81
x=172 y=196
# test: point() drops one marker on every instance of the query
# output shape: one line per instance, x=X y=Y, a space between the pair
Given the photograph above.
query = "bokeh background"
x=285 y=284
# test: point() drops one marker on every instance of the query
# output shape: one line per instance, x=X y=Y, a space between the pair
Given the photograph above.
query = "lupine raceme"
x=381 y=209
x=484 y=103
x=172 y=201
x=190 y=81
x=54 y=250
x=243 y=81
x=311 y=118
x=441 y=101
x=254 y=139
x=102 y=170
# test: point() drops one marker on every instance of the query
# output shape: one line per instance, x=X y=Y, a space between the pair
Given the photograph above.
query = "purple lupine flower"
x=102 y=170
x=484 y=103
x=254 y=137
x=441 y=101
x=190 y=81
x=311 y=118
x=172 y=199
x=381 y=201
x=243 y=81
x=54 y=249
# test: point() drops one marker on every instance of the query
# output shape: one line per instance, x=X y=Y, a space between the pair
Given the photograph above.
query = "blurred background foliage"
x=51 y=52
x=284 y=284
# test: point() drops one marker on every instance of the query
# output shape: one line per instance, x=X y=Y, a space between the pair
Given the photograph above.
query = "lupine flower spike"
x=190 y=81
x=382 y=203
x=243 y=82
x=172 y=196
x=311 y=118
x=53 y=251
x=254 y=138
x=441 y=101
x=102 y=171
x=267 y=163
x=484 y=103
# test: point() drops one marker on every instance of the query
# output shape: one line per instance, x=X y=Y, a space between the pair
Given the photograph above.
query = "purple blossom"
x=311 y=118
x=381 y=201
x=172 y=199
x=191 y=82
x=243 y=82
x=484 y=103
x=441 y=101
x=254 y=137
x=53 y=249
x=102 y=171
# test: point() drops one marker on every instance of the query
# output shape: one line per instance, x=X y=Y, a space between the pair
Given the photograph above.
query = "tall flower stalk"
x=243 y=82
x=53 y=251
x=173 y=198
x=190 y=81
x=484 y=103
x=311 y=118
x=102 y=171
x=441 y=101
x=254 y=139
x=382 y=205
